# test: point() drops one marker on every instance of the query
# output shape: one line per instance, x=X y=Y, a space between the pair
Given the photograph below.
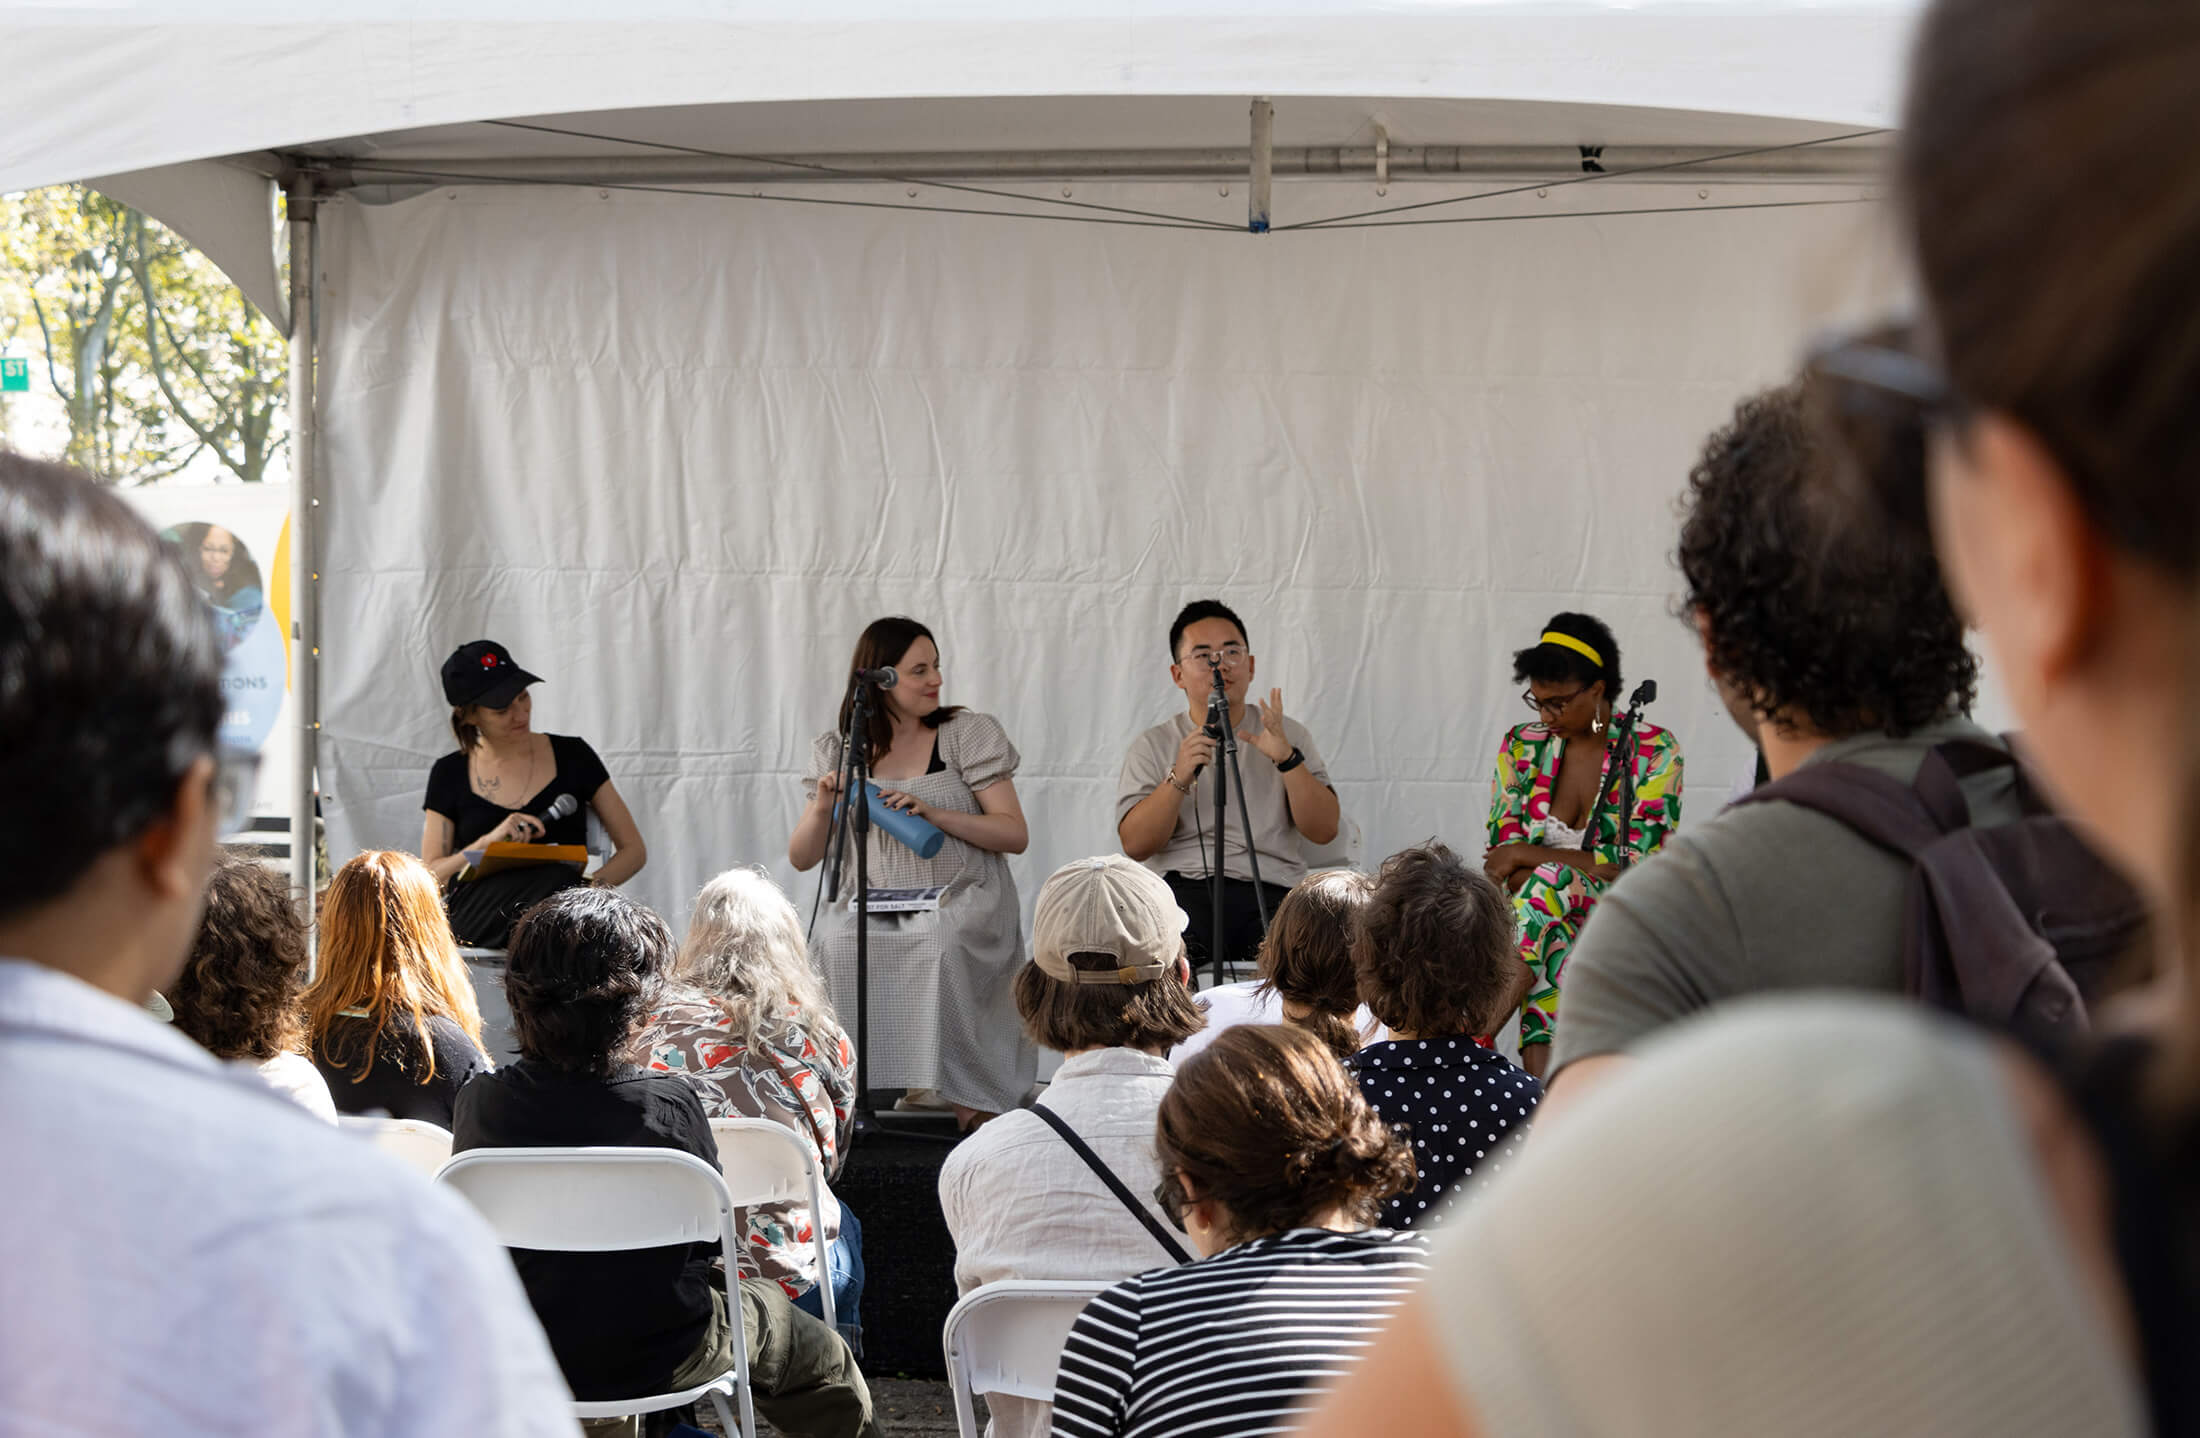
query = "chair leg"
x=726 y=1421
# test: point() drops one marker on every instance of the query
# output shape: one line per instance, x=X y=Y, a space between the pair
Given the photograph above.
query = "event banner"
x=235 y=540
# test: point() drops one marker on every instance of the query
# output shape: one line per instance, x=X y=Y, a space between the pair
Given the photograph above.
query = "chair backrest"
x=415 y=1142
x=595 y=1200
x=1346 y=851
x=1007 y=1338
x=766 y=1162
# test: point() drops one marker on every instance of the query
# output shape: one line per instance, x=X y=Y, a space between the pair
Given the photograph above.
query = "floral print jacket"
x=800 y=1074
x=1527 y=767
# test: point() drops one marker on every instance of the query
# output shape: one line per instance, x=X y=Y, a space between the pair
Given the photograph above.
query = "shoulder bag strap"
x=1083 y=1150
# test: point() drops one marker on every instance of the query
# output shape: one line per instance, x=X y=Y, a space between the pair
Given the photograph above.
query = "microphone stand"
x=1625 y=744
x=856 y=831
x=1226 y=764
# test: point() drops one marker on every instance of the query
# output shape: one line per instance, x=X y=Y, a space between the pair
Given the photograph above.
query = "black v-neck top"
x=576 y=770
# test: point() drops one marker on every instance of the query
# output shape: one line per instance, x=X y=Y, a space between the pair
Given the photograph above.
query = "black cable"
x=852 y=175
x=1583 y=179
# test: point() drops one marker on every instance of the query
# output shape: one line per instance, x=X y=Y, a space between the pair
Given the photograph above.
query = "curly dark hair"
x=1560 y=664
x=584 y=969
x=1804 y=610
x=1266 y=1123
x=1435 y=951
x=240 y=993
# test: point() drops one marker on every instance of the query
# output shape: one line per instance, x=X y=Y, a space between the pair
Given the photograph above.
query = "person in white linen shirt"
x=1108 y=986
x=186 y=1251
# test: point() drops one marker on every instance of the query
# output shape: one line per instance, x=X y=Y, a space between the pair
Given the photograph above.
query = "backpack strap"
x=1886 y=811
x=1116 y=1186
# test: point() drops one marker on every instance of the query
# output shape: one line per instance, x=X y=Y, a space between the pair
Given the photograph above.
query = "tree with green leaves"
x=157 y=358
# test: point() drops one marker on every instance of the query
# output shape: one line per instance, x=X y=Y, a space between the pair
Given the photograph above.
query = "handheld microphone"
x=559 y=807
x=882 y=677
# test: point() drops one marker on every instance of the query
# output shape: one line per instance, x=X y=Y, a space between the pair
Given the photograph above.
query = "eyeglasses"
x=1549 y=707
x=1171 y=1199
x=1876 y=397
x=1229 y=656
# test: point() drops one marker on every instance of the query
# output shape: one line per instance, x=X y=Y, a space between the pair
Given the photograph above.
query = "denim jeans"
x=845 y=1255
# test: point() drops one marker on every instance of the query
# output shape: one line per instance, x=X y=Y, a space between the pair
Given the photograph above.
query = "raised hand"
x=1270 y=740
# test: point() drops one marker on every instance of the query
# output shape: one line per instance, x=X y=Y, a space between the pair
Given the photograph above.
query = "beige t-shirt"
x=1812 y=1216
x=1190 y=850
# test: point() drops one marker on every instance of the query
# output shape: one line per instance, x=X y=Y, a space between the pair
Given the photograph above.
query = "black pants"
x=1240 y=917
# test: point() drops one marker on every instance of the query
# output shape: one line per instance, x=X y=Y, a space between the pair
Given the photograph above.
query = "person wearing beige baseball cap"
x=1063 y=1189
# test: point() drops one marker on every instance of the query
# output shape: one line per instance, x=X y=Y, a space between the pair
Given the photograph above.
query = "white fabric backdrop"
x=677 y=451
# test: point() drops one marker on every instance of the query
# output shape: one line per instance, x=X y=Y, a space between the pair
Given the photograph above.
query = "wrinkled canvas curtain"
x=677 y=451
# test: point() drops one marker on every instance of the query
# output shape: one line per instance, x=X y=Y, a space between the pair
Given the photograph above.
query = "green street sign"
x=15 y=374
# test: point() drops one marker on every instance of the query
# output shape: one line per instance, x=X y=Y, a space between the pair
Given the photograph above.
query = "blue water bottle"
x=920 y=836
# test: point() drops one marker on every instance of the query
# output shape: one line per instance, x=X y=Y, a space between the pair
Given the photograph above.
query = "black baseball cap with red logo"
x=483 y=673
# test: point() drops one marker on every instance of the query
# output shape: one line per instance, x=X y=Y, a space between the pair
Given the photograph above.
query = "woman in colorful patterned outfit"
x=745 y=1021
x=1550 y=775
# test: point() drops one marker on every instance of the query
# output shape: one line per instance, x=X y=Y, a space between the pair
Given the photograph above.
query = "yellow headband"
x=1552 y=636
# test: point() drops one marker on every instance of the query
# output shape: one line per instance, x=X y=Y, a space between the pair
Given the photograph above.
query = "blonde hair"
x=744 y=947
x=387 y=950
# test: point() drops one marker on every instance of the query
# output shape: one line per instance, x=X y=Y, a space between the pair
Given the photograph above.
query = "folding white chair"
x=1007 y=1338
x=602 y=1200
x=766 y=1162
x=415 y=1142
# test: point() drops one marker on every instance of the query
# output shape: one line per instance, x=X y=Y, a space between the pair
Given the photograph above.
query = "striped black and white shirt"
x=1232 y=1345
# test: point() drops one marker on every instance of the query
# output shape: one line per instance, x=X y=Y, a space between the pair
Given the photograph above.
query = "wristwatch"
x=1298 y=757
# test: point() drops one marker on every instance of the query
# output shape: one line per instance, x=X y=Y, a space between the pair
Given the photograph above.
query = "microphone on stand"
x=882 y=677
x=1645 y=693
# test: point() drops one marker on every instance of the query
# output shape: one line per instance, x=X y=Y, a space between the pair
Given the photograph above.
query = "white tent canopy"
x=673 y=418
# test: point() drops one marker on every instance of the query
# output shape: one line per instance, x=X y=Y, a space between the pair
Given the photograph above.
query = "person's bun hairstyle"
x=1266 y=1123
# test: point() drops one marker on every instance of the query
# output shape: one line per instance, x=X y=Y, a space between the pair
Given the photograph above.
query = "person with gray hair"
x=746 y=1021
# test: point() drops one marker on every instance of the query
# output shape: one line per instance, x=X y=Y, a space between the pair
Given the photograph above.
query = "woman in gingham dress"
x=942 y=1020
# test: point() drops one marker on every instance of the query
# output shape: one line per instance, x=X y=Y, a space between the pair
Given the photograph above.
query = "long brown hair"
x=1265 y=1122
x=2056 y=238
x=882 y=643
x=1307 y=956
x=386 y=948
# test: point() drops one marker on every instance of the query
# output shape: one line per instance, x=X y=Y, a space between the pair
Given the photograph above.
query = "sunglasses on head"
x=1876 y=397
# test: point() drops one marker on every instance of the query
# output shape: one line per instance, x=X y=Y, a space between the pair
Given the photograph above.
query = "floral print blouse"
x=801 y=1074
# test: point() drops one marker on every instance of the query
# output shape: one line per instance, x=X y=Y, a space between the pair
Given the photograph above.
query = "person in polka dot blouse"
x=1439 y=964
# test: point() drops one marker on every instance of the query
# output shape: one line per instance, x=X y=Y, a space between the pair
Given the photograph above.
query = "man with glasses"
x=187 y=1251
x=1165 y=800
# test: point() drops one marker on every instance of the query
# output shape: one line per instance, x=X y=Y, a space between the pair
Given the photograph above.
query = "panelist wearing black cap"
x=500 y=786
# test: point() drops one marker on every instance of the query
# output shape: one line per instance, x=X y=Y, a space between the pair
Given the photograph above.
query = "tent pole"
x=1264 y=167
x=305 y=615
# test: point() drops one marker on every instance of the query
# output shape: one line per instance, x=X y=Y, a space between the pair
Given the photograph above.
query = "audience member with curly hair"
x=239 y=993
x=584 y=969
x=1275 y=1168
x=1436 y=961
x=1830 y=641
x=394 y=1022
x=1557 y=833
